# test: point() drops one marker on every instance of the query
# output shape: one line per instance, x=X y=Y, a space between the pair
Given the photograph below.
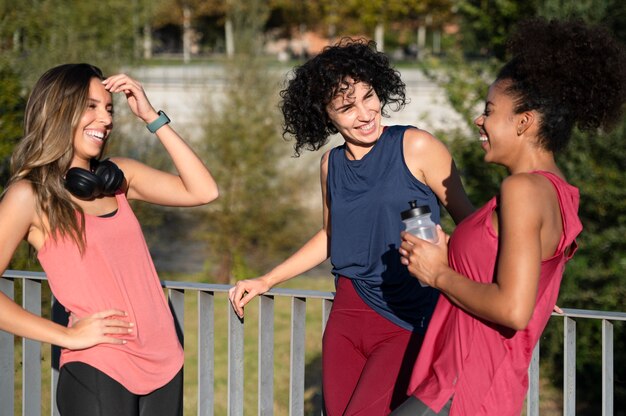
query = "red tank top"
x=116 y=271
x=482 y=365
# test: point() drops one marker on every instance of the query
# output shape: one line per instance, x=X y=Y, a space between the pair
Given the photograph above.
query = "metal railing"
x=31 y=286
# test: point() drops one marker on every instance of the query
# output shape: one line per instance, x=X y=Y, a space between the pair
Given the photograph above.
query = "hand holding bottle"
x=418 y=223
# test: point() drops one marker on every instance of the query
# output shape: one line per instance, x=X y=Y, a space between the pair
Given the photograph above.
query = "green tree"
x=12 y=104
x=51 y=32
x=596 y=277
x=487 y=23
x=259 y=216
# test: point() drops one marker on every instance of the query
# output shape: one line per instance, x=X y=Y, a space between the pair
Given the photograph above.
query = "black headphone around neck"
x=104 y=178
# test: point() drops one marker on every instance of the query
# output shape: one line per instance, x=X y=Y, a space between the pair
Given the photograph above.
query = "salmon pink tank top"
x=483 y=366
x=116 y=271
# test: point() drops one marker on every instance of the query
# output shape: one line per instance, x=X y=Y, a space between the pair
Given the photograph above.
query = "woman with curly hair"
x=72 y=208
x=506 y=261
x=380 y=312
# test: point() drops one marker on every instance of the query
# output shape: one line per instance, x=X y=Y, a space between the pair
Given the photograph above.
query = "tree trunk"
x=147 y=40
x=224 y=269
x=187 y=34
x=229 y=37
x=421 y=40
x=379 y=37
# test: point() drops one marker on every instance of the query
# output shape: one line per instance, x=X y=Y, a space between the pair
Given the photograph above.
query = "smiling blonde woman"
x=121 y=354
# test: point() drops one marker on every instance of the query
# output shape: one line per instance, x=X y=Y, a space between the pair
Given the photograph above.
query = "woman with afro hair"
x=501 y=270
x=380 y=312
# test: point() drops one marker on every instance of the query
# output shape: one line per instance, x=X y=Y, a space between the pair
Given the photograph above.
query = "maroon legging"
x=366 y=359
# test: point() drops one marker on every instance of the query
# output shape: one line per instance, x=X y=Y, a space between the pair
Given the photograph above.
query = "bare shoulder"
x=527 y=193
x=325 y=156
x=418 y=140
x=21 y=193
x=427 y=157
x=131 y=169
x=124 y=163
x=527 y=185
x=19 y=205
x=324 y=162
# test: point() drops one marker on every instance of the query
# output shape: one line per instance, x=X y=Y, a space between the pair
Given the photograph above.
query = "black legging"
x=415 y=407
x=86 y=391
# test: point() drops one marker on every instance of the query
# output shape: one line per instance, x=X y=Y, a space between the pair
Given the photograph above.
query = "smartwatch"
x=158 y=123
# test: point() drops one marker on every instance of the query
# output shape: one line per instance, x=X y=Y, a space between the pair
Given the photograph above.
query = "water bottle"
x=418 y=222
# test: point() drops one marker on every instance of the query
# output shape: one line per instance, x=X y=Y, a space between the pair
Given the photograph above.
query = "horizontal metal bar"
x=590 y=314
x=20 y=274
x=311 y=294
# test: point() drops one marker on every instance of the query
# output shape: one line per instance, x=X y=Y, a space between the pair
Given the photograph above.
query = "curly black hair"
x=316 y=82
x=571 y=73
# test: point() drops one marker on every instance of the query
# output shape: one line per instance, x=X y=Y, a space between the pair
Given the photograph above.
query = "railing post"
x=296 y=390
x=569 y=367
x=327 y=305
x=266 y=356
x=532 y=398
x=235 y=363
x=31 y=353
x=7 y=364
x=607 y=368
x=177 y=305
x=61 y=317
x=206 y=353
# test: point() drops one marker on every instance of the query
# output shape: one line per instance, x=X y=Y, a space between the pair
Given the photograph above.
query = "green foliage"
x=487 y=23
x=596 y=277
x=248 y=17
x=52 y=32
x=12 y=104
x=256 y=219
x=259 y=216
x=589 y=10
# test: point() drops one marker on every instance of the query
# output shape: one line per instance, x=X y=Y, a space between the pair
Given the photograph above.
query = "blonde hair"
x=44 y=154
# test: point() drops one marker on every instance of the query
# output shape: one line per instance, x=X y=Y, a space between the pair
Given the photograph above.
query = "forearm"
x=194 y=184
x=485 y=300
x=194 y=175
x=18 y=321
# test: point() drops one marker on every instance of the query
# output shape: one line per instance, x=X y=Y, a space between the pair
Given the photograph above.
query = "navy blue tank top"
x=366 y=197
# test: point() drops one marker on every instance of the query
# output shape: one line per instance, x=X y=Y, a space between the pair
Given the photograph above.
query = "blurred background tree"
x=261 y=214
